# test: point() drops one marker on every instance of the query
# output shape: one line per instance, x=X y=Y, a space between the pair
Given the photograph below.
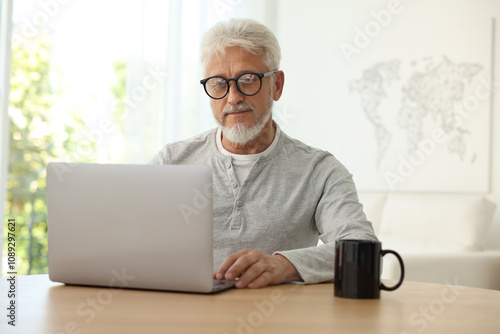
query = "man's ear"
x=279 y=82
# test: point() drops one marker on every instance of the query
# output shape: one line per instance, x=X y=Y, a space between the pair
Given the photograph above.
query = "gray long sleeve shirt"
x=293 y=196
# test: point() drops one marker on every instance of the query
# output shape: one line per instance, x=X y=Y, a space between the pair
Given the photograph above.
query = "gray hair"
x=252 y=36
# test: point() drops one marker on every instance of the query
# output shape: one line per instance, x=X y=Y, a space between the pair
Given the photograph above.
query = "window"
x=64 y=81
x=100 y=81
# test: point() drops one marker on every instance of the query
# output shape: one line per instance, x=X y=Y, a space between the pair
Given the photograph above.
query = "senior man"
x=274 y=196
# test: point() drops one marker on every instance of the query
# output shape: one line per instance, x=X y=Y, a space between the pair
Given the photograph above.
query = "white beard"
x=241 y=134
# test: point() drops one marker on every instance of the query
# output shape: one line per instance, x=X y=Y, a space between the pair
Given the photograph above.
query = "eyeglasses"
x=248 y=84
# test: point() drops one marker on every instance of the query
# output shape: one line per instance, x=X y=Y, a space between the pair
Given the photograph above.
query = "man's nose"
x=234 y=95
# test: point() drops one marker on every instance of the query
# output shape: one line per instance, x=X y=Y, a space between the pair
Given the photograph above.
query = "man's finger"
x=263 y=280
x=251 y=273
x=236 y=264
x=241 y=267
x=228 y=262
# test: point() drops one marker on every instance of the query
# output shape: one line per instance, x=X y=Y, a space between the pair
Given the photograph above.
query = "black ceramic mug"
x=358 y=265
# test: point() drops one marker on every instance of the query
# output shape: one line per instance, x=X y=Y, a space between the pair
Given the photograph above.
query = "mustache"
x=237 y=108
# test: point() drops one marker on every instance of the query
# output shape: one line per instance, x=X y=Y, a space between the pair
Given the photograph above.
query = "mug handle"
x=392 y=288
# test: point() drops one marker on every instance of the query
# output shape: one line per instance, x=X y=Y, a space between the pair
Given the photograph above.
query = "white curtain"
x=165 y=101
x=5 y=28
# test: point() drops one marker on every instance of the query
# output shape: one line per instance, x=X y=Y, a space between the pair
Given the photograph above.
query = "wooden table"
x=46 y=307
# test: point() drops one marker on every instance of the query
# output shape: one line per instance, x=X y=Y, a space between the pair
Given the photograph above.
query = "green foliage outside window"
x=37 y=137
x=41 y=132
x=119 y=91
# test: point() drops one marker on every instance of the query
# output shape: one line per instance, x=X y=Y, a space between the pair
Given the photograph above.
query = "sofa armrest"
x=475 y=269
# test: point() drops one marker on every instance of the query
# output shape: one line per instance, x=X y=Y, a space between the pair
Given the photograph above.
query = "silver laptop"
x=131 y=226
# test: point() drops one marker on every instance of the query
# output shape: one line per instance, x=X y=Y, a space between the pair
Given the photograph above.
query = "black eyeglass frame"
x=260 y=75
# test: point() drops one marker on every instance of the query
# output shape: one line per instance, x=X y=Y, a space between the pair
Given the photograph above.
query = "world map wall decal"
x=420 y=109
x=437 y=91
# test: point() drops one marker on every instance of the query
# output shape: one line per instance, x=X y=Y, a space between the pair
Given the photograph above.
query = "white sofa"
x=441 y=237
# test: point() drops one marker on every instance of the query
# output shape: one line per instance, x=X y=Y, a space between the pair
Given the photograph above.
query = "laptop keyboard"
x=217 y=282
x=221 y=285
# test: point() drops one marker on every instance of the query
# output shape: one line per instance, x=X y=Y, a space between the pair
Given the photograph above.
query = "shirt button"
x=239 y=203
x=228 y=165
x=234 y=184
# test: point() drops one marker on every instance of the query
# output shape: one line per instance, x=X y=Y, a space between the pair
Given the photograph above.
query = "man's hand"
x=255 y=270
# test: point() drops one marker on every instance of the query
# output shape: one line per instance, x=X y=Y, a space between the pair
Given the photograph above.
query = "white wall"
x=310 y=33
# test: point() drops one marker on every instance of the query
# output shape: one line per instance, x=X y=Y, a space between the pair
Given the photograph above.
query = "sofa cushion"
x=433 y=222
x=373 y=205
x=475 y=269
